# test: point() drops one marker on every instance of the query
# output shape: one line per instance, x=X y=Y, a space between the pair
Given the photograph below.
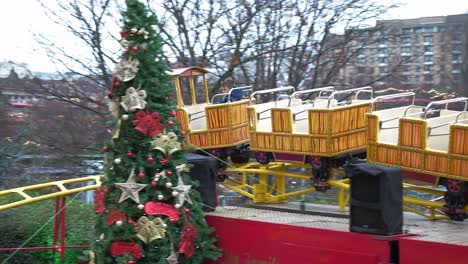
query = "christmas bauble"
x=177 y=206
x=173 y=113
x=150 y=159
x=183 y=133
x=105 y=148
x=169 y=173
x=124 y=117
x=141 y=207
x=119 y=223
x=130 y=154
x=117 y=161
x=141 y=174
x=170 y=123
x=186 y=210
x=169 y=185
x=160 y=197
x=153 y=183
x=175 y=193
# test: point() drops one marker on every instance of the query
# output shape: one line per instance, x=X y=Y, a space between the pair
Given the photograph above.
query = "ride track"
x=57 y=190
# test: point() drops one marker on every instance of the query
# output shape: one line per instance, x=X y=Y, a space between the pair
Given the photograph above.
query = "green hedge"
x=19 y=224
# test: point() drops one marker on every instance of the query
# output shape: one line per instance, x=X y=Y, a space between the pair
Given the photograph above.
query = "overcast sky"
x=20 y=18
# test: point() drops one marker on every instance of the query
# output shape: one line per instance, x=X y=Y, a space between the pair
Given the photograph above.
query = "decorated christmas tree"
x=148 y=211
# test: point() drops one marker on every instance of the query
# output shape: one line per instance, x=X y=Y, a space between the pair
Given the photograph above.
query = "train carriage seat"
x=197 y=116
x=389 y=122
x=439 y=129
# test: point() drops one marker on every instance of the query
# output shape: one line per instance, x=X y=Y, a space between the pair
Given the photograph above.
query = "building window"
x=405 y=50
x=383 y=60
x=456 y=37
x=417 y=59
x=383 y=51
x=442 y=28
x=458 y=27
x=382 y=41
x=405 y=41
x=428 y=29
x=383 y=69
x=428 y=49
x=428 y=59
x=428 y=39
x=456 y=76
x=427 y=68
x=456 y=67
x=361 y=61
x=457 y=48
x=372 y=60
x=456 y=57
x=394 y=51
x=418 y=30
x=407 y=31
x=428 y=78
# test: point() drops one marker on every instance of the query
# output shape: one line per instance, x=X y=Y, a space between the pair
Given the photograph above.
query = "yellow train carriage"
x=318 y=130
x=429 y=140
x=210 y=125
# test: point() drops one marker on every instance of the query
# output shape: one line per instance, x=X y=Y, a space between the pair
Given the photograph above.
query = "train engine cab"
x=219 y=128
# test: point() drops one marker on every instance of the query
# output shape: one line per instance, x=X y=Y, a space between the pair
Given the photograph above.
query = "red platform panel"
x=417 y=251
x=255 y=242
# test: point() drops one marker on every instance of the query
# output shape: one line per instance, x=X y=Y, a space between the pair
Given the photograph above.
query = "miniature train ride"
x=321 y=129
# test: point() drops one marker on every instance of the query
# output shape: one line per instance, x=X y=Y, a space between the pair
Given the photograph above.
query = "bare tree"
x=262 y=42
x=88 y=51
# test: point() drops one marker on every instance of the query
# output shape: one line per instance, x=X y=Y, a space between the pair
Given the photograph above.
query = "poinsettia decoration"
x=188 y=237
x=114 y=216
x=121 y=248
x=148 y=123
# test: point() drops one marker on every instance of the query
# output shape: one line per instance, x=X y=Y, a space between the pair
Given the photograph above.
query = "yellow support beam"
x=57 y=184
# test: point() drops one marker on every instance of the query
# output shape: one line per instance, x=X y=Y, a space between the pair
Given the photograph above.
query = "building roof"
x=190 y=71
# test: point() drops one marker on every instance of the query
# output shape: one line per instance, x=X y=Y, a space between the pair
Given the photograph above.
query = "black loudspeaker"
x=205 y=171
x=376 y=205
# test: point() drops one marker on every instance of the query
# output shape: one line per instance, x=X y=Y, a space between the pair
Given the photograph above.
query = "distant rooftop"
x=426 y=20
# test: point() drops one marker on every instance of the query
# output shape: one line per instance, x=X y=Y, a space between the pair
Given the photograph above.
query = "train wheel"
x=455 y=200
x=263 y=157
x=239 y=156
x=321 y=172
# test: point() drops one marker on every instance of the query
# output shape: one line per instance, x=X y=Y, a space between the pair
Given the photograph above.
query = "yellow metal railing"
x=270 y=187
x=60 y=188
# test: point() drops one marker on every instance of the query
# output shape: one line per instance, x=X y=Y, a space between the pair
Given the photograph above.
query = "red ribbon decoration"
x=148 y=123
x=114 y=216
x=99 y=201
x=155 y=208
x=120 y=248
